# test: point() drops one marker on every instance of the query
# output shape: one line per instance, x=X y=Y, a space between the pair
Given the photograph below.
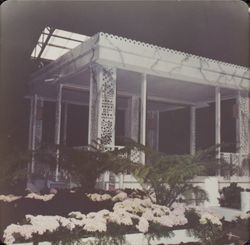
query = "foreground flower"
x=120 y=197
x=99 y=198
x=142 y=225
x=134 y=212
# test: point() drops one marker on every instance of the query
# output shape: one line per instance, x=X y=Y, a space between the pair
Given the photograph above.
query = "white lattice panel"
x=243 y=122
x=102 y=104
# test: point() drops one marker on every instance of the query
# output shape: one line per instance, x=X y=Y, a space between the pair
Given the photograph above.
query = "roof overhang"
x=173 y=76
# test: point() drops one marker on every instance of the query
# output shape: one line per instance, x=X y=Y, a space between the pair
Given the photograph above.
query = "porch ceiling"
x=163 y=93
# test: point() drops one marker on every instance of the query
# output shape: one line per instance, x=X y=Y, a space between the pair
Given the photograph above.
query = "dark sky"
x=214 y=29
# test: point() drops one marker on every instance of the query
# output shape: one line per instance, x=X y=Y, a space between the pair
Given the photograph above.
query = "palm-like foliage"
x=167 y=176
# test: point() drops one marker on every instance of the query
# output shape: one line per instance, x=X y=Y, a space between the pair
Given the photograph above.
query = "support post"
x=192 y=130
x=218 y=120
x=143 y=112
x=65 y=123
x=35 y=130
x=33 y=135
x=102 y=112
x=242 y=129
x=58 y=127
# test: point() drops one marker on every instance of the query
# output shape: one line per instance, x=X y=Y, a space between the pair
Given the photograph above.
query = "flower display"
x=99 y=198
x=9 y=198
x=143 y=225
x=137 y=213
x=121 y=196
x=207 y=215
x=243 y=216
x=44 y=198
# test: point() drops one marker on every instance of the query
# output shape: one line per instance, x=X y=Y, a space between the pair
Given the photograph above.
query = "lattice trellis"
x=103 y=104
x=243 y=122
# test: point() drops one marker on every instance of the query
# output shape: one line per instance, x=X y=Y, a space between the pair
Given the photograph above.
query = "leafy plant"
x=208 y=233
x=169 y=176
x=166 y=176
x=85 y=165
x=13 y=169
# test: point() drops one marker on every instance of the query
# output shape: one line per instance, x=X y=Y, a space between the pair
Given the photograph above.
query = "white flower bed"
x=98 y=197
x=44 y=198
x=9 y=198
x=133 y=212
x=104 y=197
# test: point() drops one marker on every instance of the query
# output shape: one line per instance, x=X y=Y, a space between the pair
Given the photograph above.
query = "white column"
x=218 y=119
x=192 y=130
x=33 y=130
x=58 y=127
x=65 y=122
x=143 y=109
x=143 y=113
x=132 y=118
x=158 y=131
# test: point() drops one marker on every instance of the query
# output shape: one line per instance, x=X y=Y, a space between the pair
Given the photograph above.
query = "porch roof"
x=181 y=77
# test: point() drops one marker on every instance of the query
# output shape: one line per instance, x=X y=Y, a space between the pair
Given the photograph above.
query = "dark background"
x=214 y=29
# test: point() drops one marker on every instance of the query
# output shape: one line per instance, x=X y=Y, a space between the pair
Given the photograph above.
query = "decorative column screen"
x=243 y=122
x=102 y=105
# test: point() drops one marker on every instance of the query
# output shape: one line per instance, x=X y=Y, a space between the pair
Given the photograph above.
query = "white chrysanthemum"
x=106 y=197
x=99 y=198
x=64 y=222
x=146 y=202
x=164 y=221
x=77 y=215
x=142 y=225
x=78 y=222
x=9 y=198
x=91 y=215
x=103 y=213
x=148 y=214
x=120 y=197
x=244 y=216
x=96 y=224
x=205 y=217
x=44 y=198
x=9 y=232
x=114 y=218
